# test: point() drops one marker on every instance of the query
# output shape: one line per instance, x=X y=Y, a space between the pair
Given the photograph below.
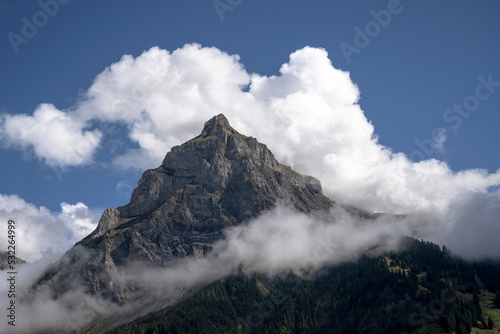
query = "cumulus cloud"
x=39 y=231
x=308 y=115
x=164 y=97
x=55 y=136
x=78 y=220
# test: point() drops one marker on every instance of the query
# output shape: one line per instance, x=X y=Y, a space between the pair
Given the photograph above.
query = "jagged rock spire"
x=212 y=125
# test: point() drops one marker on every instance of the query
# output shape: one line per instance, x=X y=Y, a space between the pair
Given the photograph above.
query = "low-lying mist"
x=278 y=242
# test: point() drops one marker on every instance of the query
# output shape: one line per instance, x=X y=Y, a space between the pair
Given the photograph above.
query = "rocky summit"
x=218 y=179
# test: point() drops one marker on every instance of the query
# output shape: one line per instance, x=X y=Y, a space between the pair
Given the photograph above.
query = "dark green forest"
x=420 y=289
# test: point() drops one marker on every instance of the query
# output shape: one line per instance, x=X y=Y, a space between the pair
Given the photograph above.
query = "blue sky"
x=410 y=67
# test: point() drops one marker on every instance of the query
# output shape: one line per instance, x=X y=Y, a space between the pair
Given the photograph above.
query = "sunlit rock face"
x=218 y=179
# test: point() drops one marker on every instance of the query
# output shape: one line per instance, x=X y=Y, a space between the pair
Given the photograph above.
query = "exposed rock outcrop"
x=6 y=261
x=218 y=179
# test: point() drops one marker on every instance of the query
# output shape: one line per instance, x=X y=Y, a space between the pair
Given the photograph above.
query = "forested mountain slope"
x=421 y=289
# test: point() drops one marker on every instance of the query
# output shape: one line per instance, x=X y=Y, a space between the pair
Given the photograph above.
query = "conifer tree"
x=490 y=323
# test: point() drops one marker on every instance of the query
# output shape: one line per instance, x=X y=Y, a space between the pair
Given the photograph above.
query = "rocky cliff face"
x=221 y=177
x=4 y=261
x=218 y=179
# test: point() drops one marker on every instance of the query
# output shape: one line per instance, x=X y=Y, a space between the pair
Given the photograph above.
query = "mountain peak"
x=212 y=126
x=217 y=126
x=227 y=167
x=220 y=178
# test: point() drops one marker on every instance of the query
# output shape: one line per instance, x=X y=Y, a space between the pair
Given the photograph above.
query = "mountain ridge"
x=181 y=209
x=218 y=179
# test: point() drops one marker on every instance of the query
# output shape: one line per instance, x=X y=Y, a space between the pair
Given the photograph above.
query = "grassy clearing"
x=489 y=310
x=287 y=169
x=325 y=203
x=396 y=269
x=122 y=221
x=199 y=139
x=486 y=300
x=476 y=330
x=95 y=327
x=123 y=225
x=421 y=276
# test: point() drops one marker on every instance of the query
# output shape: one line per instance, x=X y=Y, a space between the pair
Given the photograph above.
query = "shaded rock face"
x=218 y=179
x=6 y=261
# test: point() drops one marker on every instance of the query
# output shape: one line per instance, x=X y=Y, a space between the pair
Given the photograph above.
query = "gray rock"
x=220 y=178
x=108 y=221
x=6 y=261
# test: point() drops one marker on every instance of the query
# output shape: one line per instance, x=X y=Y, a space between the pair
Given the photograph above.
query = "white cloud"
x=53 y=135
x=284 y=240
x=472 y=225
x=278 y=242
x=40 y=231
x=78 y=220
x=43 y=313
x=308 y=115
x=164 y=97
